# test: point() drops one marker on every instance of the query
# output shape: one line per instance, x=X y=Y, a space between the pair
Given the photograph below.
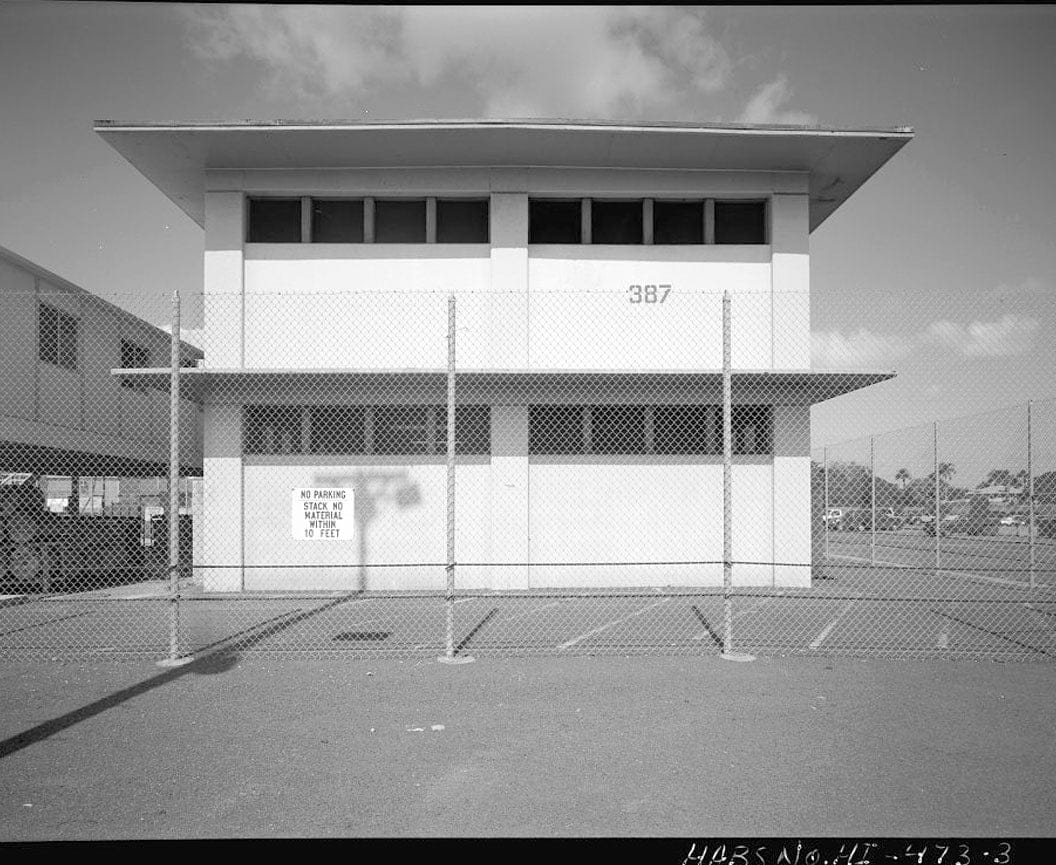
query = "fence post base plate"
x=458 y=659
x=174 y=662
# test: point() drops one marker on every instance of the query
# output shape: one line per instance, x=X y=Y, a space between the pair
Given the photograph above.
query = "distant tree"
x=946 y=471
x=1045 y=488
x=999 y=478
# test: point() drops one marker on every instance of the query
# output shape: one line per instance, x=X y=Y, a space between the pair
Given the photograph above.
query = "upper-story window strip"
x=311 y=219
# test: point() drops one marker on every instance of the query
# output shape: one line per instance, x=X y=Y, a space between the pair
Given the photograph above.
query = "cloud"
x=767 y=106
x=860 y=348
x=307 y=51
x=602 y=61
x=1011 y=334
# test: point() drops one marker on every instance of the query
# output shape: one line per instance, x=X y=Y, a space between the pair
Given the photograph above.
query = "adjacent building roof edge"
x=66 y=285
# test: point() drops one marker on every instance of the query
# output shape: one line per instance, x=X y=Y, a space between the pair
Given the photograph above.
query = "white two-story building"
x=588 y=263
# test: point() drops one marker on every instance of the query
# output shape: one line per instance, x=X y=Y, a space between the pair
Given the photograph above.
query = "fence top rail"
x=1037 y=403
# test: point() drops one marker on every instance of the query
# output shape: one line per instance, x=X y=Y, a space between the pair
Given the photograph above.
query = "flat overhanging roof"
x=803 y=386
x=174 y=156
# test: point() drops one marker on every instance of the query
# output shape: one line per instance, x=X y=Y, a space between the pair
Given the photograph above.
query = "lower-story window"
x=647 y=429
x=386 y=430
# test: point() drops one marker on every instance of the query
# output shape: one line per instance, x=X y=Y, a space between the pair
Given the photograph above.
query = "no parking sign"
x=322 y=513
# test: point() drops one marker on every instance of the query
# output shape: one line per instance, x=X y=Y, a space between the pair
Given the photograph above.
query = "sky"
x=941 y=267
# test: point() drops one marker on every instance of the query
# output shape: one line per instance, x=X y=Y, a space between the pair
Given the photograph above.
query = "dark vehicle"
x=861 y=520
x=40 y=550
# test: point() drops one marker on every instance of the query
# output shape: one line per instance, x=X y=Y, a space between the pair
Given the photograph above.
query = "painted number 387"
x=649 y=293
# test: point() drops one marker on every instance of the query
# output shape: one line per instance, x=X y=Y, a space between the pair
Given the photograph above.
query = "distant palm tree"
x=946 y=471
x=903 y=475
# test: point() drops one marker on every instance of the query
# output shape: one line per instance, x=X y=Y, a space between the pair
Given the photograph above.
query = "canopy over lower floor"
x=785 y=387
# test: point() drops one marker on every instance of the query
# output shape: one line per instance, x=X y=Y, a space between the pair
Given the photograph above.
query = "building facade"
x=587 y=265
x=62 y=410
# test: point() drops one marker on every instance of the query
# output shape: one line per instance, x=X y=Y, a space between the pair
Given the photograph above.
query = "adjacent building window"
x=274 y=220
x=399 y=221
x=386 y=430
x=337 y=220
x=57 y=335
x=552 y=221
x=616 y=222
x=462 y=221
x=740 y=222
x=681 y=430
x=678 y=222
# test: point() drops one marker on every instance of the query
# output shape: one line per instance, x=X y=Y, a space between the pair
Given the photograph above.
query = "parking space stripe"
x=597 y=631
x=820 y=638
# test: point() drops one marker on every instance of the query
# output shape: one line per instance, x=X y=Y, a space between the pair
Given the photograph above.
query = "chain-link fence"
x=461 y=473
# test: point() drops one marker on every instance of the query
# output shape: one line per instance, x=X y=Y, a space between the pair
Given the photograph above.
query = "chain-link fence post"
x=938 y=518
x=174 y=659
x=1030 y=496
x=872 y=498
x=449 y=595
x=825 y=511
x=727 y=489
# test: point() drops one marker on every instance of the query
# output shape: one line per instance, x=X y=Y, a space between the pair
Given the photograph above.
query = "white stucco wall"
x=384 y=306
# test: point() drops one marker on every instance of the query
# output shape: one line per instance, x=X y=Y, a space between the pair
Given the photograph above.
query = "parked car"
x=1013 y=520
x=947 y=525
x=861 y=520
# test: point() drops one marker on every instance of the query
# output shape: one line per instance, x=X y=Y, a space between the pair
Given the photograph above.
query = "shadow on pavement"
x=224 y=655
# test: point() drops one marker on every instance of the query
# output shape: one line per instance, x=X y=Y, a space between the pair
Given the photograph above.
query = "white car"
x=1012 y=520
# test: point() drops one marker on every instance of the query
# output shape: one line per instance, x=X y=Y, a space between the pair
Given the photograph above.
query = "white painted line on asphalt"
x=763 y=603
x=965 y=574
x=596 y=631
x=1022 y=584
x=464 y=600
x=820 y=638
